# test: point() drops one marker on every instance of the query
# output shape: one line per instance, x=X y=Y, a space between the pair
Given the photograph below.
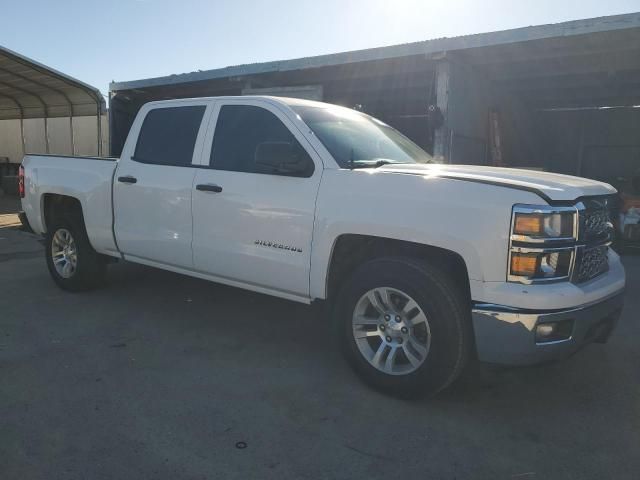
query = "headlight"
x=543 y=225
x=542 y=243
x=536 y=265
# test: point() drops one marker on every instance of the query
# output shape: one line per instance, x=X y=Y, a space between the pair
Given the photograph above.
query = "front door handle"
x=209 y=187
x=127 y=179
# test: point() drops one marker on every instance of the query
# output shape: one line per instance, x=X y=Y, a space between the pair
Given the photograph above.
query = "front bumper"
x=507 y=336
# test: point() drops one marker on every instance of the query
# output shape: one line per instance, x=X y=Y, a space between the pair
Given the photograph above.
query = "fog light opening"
x=554 y=331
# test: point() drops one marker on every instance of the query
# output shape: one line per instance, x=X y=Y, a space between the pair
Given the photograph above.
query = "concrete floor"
x=160 y=376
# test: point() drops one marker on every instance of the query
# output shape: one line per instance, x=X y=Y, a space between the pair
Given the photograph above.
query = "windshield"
x=356 y=140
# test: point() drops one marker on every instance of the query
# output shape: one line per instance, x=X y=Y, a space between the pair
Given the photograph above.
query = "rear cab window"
x=168 y=135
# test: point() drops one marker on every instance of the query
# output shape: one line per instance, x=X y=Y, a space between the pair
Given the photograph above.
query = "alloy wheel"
x=64 y=253
x=391 y=331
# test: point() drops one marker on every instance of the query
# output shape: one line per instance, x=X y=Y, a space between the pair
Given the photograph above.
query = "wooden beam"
x=582 y=64
x=441 y=137
x=571 y=81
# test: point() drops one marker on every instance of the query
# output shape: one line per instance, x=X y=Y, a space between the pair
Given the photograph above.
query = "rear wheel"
x=73 y=263
x=405 y=326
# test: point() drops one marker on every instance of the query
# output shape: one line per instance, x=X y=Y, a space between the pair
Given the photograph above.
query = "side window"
x=168 y=135
x=253 y=140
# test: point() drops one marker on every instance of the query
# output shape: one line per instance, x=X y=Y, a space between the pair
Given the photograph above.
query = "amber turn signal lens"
x=528 y=224
x=524 y=264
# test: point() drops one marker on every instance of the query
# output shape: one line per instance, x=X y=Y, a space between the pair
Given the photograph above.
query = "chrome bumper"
x=507 y=336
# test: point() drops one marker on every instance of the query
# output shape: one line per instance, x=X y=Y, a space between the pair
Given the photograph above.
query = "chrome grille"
x=592 y=258
x=591 y=263
x=596 y=223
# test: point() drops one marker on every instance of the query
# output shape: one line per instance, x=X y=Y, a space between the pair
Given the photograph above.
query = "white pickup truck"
x=426 y=266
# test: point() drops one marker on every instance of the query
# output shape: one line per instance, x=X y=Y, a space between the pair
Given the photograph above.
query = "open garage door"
x=566 y=104
x=569 y=104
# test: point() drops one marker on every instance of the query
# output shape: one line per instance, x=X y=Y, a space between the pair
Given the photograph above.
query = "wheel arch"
x=351 y=250
x=55 y=205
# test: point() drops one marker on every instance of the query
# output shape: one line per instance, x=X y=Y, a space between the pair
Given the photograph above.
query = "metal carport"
x=30 y=90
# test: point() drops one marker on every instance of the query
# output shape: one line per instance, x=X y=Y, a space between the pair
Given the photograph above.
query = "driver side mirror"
x=284 y=158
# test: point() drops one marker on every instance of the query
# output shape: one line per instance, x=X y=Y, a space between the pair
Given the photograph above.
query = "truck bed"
x=88 y=179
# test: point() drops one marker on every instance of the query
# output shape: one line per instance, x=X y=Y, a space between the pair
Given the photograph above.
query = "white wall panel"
x=84 y=128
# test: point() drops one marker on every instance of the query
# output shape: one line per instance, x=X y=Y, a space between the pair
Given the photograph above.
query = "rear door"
x=251 y=224
x=153 y=183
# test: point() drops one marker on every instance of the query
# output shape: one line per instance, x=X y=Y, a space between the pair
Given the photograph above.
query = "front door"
x=253 y=223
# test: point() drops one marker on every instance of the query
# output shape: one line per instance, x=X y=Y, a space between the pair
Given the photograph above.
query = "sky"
x=101 y=41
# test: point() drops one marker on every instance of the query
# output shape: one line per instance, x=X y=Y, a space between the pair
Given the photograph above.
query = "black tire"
x=445 y=306
x=91 y=266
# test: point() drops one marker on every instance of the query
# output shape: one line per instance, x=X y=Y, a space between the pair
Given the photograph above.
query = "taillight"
x=21 y=181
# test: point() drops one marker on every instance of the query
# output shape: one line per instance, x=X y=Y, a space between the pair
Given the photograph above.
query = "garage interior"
x=394 y=89
x=569 y=104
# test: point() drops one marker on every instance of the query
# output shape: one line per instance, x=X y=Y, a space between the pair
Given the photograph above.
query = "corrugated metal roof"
x=427 y=47
x=29 y=89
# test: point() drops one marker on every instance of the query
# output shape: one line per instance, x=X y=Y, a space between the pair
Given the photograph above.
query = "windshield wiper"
x=374 y=163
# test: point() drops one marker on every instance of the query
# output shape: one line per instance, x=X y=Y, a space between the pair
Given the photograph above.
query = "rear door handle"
x=209 y=187
x=127 y=179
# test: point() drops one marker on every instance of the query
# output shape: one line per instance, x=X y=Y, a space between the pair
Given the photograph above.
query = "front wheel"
x=405 y=326
x=73 y=263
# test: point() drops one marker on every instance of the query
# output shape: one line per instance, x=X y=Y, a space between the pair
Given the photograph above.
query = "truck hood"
x=549 y=186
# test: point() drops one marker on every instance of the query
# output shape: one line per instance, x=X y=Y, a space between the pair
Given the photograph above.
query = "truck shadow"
x=285 y=334
x=9 y=204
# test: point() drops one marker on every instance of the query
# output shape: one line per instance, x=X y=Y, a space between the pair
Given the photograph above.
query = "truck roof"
x=282 y=100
